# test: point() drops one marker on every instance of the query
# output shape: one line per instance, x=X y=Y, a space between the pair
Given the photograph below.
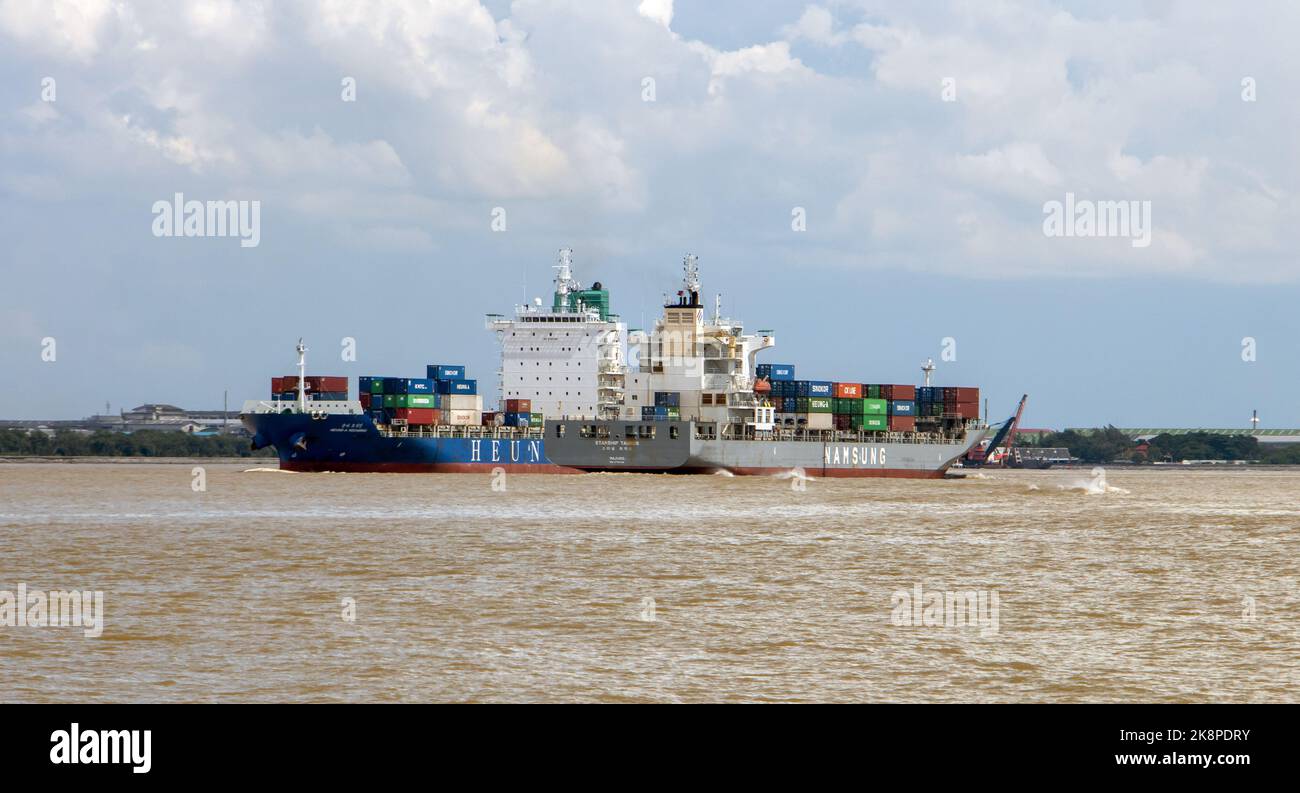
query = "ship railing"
x=747 y=432
x=473 y=432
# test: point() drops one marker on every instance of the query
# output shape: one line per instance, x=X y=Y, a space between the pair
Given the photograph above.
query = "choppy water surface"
x=1133 y=590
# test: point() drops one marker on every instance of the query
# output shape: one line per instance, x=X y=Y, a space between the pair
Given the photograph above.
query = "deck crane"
x=1006 y=435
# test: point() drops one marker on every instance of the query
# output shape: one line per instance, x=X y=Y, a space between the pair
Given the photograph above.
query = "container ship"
x=579 y=392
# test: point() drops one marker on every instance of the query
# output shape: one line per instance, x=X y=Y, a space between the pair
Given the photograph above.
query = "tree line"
x=1108 y=444
x=143 y=443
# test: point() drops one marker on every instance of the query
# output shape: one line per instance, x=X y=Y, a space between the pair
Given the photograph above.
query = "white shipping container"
x=818 y=421
x=462 y=402
x=458 y=418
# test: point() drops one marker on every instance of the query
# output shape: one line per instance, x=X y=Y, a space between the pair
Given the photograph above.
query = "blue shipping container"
x=668 y=399
x=379 y=416
x=782 y=371
x=363 y=384
x=819 y=388
x=457 y=386
x=394 y=385
x=419 y=385
x=445 y=371
x=789 y=404
x=902 y=407
x=516 y=419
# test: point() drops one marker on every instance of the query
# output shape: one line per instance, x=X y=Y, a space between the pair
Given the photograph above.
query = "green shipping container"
x=874 y=407
x=870 y=422
x=815 y=405
x=390 y=401
x=414 y=401
x=377 y=385
x=674 y=414
x=848 y=407
x=871 y=391
x=536 y=420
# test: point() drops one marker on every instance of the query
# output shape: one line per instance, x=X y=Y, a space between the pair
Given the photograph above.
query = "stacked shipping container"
x=319 y=388
x=444 y=396
x=821 y=404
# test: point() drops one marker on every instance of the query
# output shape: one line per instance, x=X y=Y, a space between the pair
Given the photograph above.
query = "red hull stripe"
x=425 y=468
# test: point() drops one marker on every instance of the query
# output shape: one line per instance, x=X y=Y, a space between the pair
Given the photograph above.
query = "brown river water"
x=1154 y=585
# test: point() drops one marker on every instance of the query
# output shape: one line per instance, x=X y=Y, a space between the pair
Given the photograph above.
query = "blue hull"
x=339 y=442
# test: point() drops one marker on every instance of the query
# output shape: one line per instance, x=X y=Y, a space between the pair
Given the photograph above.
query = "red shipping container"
x=277 y=385
x=967 y=394
x=968 y=410
x=843 y=422
x=418 y=415
x=489 y=418
x=848 y=390
x=519 y=406
x=902 y=423
x=903 y=393
x=316 y=383
x=365 y=399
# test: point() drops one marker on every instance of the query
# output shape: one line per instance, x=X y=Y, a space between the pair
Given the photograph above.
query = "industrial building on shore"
x=1142 y=434
x=158 y=417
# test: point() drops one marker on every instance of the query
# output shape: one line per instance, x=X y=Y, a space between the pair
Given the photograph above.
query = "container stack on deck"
x=319 y=388
x=443 y=396
x=824 y=405
x=667 y=407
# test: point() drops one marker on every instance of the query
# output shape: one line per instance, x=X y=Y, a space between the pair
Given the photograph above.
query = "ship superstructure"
x=567 y=359
x=708 y=361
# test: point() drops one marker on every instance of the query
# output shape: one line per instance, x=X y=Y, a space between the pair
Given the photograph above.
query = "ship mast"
x=691 y=277
x=564 y=282
x=928 y=368
x=302 y=377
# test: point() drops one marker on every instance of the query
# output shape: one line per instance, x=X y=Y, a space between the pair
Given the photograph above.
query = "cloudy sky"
x=920 y=142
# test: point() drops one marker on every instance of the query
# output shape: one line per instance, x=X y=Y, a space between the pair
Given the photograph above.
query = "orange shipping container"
x=901 y=393
x=848 y=390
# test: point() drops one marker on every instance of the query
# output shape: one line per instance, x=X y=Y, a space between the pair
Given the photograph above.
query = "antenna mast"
x=691 y=277
x=302 y=377
x=564 y=282
x=928 y=368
